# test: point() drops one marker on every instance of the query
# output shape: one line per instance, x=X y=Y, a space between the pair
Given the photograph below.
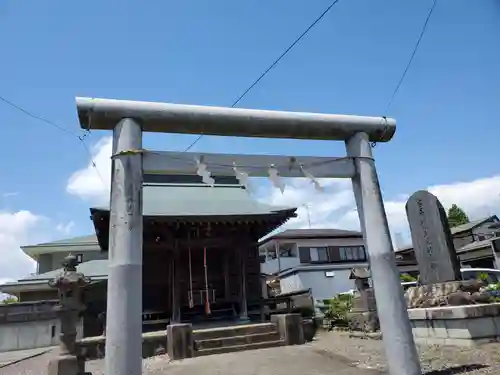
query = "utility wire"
x=81 y=138
x=275 y=62
x=422 y=32
x=26 y=112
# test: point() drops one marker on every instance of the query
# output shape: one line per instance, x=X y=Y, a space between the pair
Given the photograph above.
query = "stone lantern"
x=70 y=289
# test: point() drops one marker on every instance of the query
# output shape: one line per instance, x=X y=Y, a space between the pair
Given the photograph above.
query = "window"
x=481 y=237
x=305 y=254
x=329 y=274
x=356 y=253
x=322 y=254
x=79 y=258
x=53 y=331
x=287 y=251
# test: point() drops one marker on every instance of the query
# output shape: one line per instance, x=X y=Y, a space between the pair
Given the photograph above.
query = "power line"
x=81 y=138
x=422 y=32
x=275 y=62
x=26 y=112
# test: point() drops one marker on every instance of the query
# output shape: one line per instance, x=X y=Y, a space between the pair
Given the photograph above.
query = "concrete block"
x=66 y=365
x=418 y=314
x=437 y=329
x=480 y=328
x=289 y=328
x=420 y=328
x=180 y=341
x=457 y=329
x=496 y=322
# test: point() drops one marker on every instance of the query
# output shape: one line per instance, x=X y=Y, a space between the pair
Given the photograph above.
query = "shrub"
x=405 y=278
x=338 y=308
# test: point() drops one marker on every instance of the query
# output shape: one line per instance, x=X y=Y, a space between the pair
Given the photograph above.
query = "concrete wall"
x=321 y=285
x=456 y=325
x=31 y=335
x=274 y=265
x=324 y=287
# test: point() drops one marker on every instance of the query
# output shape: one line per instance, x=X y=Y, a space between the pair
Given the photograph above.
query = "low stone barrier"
x=153 y=343
x=456 y=325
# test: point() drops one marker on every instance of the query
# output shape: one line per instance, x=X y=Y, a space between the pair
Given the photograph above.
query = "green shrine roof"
x=199 y=200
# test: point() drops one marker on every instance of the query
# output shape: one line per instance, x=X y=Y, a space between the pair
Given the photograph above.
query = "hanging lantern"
x=204 y=173
x=275 y=178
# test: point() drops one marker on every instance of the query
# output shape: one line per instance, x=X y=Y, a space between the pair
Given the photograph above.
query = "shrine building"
x=200 y=254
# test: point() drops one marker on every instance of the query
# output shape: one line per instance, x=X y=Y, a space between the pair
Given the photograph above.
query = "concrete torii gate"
x=128 y=119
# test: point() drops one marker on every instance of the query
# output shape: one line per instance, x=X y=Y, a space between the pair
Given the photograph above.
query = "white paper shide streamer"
x=274 y=176
x=204 y=173
x=242 y=177
x=313 y=179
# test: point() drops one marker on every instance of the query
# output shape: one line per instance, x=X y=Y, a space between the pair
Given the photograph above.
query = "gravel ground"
x=435 y=360
x=332 y=353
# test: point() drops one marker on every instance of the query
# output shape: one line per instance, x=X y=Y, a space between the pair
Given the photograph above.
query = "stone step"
x=237 y=340
x=239 y=348
x=231 y=331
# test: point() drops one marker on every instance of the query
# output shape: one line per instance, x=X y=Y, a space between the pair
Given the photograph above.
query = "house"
x=474 y=244
x=49 y=257
x=317 y=259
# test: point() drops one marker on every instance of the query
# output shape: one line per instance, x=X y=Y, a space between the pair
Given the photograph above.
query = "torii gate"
x=128 y=119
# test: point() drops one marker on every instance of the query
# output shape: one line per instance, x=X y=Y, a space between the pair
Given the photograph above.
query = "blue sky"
x=208 y=52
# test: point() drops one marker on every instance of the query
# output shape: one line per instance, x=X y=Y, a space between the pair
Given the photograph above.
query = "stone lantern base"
x=67 y=364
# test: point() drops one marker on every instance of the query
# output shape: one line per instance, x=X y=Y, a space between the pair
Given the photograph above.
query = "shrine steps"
x=236 y=338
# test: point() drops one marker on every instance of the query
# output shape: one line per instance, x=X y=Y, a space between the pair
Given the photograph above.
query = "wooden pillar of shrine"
x=243 y=289
x=175 y=286
x=227 y=288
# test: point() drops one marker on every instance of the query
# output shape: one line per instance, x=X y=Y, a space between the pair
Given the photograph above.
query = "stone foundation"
x=289 y=328
x=456 y=325
x=153 y=343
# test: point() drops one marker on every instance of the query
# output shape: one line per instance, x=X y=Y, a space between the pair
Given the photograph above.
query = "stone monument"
x=70 y=287
x=432 y=241
x=438 y=264
x=363 y=315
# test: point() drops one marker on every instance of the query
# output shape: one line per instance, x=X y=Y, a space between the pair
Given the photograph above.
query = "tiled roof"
x=471 y=225
x=199 y=200
x=81 y=240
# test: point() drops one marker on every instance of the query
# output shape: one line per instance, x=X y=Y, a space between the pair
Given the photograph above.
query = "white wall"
x=272 y=265
x=31 y=335
x=290 y=284
x=322 y=287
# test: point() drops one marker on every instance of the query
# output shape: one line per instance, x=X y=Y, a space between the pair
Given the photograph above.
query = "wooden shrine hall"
x=200 y=248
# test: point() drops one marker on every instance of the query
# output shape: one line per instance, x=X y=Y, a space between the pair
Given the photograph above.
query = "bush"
x=405 y=278
x=338 y=308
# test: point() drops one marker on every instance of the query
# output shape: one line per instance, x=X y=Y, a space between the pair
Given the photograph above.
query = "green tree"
x=9 y=299
x=457 y=216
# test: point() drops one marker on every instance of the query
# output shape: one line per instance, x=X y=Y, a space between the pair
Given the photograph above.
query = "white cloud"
x=11 y=194
x=336 y=207
x=16 y=229
x=92 y=182
x=65 y=228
